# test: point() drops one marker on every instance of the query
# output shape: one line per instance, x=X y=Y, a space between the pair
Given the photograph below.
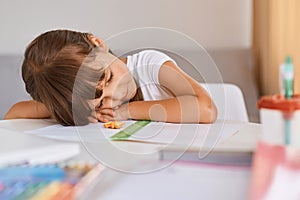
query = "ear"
x=98 y=42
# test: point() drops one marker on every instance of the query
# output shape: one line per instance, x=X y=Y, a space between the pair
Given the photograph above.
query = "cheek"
x=125 y=77
x=123 y=81
x=133 y=88
x=123 y=85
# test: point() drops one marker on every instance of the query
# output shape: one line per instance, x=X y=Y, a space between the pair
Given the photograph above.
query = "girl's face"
x=117 y=86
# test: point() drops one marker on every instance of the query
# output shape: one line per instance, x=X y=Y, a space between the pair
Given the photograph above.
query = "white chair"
x=229 y=101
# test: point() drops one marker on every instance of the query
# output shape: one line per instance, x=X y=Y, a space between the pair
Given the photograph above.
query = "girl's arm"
x=28 y=109
x=191 y=103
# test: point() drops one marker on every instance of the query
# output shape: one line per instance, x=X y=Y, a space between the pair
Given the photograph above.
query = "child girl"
x=74 y=78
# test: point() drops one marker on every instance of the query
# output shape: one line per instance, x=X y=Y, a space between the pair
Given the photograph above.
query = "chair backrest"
x=229 y=101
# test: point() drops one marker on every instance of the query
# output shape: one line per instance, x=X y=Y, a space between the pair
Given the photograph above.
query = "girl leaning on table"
x=74 y=78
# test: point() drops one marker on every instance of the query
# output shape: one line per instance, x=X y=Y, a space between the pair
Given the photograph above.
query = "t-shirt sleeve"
x=152 y=61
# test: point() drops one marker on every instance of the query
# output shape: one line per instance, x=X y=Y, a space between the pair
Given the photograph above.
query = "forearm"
x=27 y=109
x=182 y=109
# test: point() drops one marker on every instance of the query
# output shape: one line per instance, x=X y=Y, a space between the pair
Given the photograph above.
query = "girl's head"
x=50 y=70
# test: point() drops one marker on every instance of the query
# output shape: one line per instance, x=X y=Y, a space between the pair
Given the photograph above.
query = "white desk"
x=212 y=181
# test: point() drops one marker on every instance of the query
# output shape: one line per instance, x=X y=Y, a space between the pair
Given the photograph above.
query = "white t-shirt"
x=144 y=66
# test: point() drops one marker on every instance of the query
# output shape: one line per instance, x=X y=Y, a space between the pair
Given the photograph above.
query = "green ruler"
x=130 y=130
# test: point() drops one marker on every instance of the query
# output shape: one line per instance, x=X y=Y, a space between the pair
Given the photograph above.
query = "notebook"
x=237 y=149
x=18 y=148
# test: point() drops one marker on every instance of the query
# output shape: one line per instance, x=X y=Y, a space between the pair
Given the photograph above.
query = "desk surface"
x=213 y=185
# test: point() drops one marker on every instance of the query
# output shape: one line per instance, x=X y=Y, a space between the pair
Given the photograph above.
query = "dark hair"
x=50 y=70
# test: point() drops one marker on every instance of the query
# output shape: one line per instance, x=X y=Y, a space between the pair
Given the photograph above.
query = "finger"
x=104 y=118
x=109 y=112
x=97 y=102
x=116 y=107
x=92 y=119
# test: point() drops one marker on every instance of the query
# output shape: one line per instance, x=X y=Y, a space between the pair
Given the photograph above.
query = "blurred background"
x=243 y=37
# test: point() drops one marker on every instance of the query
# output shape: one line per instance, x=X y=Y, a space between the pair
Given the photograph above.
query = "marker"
x=287 y=70
x=288 y=76
x=43 y=172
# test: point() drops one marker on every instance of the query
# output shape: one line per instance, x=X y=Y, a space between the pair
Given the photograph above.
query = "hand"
x=111 y=114
x=122 y=112
x=105 y=115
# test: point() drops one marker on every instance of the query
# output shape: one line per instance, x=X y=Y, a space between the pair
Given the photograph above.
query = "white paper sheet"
x=90 y=132
x=155 y=132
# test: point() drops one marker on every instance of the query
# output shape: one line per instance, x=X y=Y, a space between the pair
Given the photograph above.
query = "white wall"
x=212 y=23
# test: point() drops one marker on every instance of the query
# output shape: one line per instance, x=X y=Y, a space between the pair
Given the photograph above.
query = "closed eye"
x=105 y=81
x=100 y=104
